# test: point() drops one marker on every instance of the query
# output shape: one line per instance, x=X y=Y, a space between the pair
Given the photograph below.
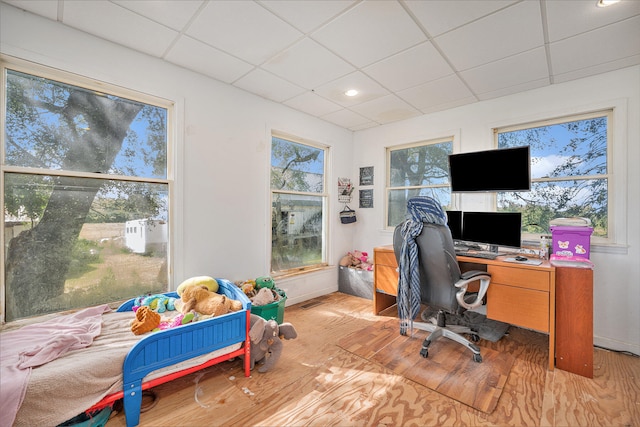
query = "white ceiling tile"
x=367 y=89
x=268 y=86
x=521 y=87
x=512 y=30
x=172 y=13
x=309 y=14
x=596 y=47
x=597 y=69
x=312 y=104
x=48 y=9
x=387 y=109
x=440 y=16
x=244 y=29
x=508 y=72
x=207 y=60
x=112 y=22
x=412 y=67
x=347 y=119
x=437 y=92
x=570 y=17
x=308 y=64
x=370 y=31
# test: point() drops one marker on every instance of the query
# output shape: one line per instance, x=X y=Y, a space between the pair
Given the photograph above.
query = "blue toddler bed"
x=92 y=378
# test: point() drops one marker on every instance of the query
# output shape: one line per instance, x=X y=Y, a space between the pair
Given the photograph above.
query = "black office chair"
x=442 y=285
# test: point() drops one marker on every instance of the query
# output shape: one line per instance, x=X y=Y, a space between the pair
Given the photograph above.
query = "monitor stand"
x=493 y=248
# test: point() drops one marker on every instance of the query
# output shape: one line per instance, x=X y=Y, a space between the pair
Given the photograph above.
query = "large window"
x=298 y=205
x=85 y=192
x=420 y=169
x=569 y=172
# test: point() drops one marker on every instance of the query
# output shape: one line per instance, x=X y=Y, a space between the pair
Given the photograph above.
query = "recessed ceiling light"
x=605 y=3
x=351 y=92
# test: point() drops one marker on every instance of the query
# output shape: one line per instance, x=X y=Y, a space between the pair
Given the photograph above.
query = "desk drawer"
x=520 y=277
x=385 y=258
x=386 y=279
x=518 y=306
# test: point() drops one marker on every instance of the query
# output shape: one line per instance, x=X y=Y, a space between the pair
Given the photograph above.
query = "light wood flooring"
x=316 y=383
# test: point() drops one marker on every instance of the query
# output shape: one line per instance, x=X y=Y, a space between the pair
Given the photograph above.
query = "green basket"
x=273 y=311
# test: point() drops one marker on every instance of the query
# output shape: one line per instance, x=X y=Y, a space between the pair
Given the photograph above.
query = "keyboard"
x=478 y=254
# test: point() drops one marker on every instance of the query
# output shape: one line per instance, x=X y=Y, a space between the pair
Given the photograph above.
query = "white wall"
x=223 y=226
x=617 y=268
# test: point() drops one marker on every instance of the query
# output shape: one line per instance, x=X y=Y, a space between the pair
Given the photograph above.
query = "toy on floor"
x=266 y=341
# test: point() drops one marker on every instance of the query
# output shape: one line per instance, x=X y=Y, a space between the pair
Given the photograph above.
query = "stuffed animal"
x=266 y=341
x=157 y=302
x=207 y=281
x=265 y=282
x=263 y=297
x=203 y=301
x=146 y=320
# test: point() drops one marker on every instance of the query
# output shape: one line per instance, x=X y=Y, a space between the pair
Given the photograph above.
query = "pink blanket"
x=37 y=344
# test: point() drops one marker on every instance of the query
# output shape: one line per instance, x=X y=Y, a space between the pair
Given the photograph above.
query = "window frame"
x=66 y=77
x=452 y=139
x=325 y=204
x=613 y=232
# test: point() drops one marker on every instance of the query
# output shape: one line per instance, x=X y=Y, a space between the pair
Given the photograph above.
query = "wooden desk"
x=519 y=294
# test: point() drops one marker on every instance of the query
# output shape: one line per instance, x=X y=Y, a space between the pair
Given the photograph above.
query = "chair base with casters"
x=437 y=331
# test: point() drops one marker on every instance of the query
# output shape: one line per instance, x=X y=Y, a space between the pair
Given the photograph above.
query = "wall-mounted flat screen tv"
x=504 y=169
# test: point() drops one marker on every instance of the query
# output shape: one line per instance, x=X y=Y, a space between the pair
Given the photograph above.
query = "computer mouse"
x=521 y=258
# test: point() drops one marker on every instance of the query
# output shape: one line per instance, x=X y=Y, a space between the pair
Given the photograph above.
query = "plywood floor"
x=316 y=383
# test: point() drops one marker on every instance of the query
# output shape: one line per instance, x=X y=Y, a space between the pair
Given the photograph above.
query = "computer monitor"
x=504 y=169
x=454 y=221
x=492 y=228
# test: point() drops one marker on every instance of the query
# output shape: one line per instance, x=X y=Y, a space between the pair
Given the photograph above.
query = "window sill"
x=294 y=273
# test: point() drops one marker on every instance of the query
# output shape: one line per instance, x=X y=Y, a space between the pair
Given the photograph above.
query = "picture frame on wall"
x=366 y=175
x=366 y=199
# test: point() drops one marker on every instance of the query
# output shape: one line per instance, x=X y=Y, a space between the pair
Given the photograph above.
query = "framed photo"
x=366 y=175
x=366 y=198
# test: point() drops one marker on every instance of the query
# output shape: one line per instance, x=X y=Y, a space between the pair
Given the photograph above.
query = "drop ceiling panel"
x=348 y=119
x=387 y=109
x=308 y=64
x=368 y=89
x=512 y=71
x=440 y=16
x=505 y=33
x=307 y=15
x=207 y=60
x=244 y=29
x=48 y=9
x=268 y=86
x=313 y=104
x=596 y=47
x=370 y=31
x=570 y=17
x=173 y=14
x=117 y=24
x=417 y=65
x=438 y=92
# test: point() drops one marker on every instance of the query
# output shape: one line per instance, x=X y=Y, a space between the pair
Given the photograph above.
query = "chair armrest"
x=468 y=277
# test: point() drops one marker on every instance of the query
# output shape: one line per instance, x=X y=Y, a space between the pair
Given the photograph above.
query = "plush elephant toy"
x=266 y=341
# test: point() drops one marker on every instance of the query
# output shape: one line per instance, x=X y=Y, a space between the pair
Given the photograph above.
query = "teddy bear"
x=266 y=341
x=203 y=301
